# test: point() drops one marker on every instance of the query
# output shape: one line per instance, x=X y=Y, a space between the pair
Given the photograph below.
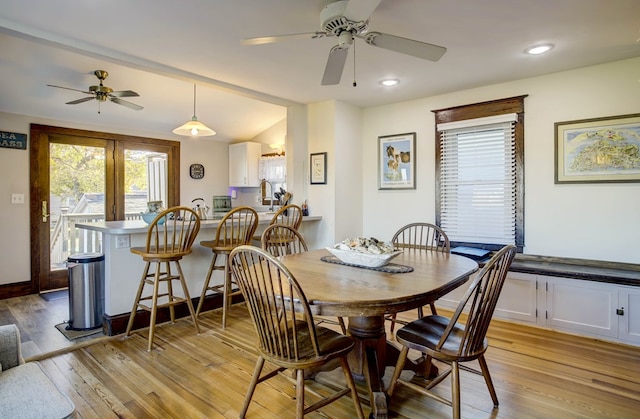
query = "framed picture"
x=598 y=150
x=397 y=161
x=318 y=168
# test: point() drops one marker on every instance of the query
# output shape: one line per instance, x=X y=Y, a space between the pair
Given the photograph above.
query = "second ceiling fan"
x=347 y=20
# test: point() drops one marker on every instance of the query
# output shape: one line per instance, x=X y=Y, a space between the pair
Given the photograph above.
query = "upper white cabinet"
x=243 y=164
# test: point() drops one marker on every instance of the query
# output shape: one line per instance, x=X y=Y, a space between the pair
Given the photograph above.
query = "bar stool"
x=169 y=239
x=289 y=215
x=235 y=229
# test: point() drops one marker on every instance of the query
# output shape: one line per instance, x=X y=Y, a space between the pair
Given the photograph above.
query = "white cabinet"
x=584 y=307
x=243 y=164
x=519 y=298
x=590 y=308
x=594 y=308
x=628 y=312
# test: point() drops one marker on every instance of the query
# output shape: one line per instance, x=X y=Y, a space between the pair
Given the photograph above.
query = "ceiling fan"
x=101 y=93
x=349 y=19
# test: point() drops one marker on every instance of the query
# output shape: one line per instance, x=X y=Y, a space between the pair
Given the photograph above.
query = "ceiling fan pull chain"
x=354 y=65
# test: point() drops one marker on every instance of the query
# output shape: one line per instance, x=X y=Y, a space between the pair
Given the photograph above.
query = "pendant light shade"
x=194 y=128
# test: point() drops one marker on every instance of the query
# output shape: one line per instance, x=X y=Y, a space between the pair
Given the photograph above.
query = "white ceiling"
x=159 y=48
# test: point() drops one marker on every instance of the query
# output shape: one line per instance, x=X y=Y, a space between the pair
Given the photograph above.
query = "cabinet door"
x=518 y=299
x=237 y=165
x=582 y=306
x=243 y=164
x=629 y=317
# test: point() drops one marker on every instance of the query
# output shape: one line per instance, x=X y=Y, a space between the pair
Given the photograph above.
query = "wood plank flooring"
x=537 y=373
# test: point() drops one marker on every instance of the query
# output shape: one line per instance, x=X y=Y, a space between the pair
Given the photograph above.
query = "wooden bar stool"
x=289 y=215
x=169 y=239
x=235 y=229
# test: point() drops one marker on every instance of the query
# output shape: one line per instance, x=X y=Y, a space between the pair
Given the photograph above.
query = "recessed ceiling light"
x=538 y=49
x=389 y=82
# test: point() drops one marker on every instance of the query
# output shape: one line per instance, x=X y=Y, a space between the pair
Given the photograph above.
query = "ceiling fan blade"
x=124 y=93
x=125 y=103
x=335 y=65
x=68 y=88
x=405 y=46
x=84 y=99
x=278 y=38
x=360 y=10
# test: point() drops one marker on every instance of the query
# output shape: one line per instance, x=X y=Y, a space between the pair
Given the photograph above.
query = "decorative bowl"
x=369 y=260
x=148 y=217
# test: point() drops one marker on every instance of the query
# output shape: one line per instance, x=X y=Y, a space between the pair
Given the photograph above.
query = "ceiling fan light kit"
x=102 y=93
x=194 y=128
x=349 y=19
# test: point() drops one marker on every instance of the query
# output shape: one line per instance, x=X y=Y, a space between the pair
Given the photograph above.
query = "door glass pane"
x=145 y=179
x=77 y=185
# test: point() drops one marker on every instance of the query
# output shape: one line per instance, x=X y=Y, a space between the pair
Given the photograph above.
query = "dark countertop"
x=584 y=269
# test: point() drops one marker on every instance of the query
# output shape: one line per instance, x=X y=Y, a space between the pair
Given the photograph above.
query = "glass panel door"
x=76 y=194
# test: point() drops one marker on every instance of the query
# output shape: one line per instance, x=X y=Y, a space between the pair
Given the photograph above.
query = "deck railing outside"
x=67 y=240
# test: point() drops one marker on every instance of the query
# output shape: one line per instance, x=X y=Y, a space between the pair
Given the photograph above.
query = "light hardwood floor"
x=537 y=373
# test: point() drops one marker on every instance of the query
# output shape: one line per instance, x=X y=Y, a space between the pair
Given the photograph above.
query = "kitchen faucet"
x=271 y=208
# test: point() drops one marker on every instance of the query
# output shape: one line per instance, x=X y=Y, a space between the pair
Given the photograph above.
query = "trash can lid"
x=86 y=257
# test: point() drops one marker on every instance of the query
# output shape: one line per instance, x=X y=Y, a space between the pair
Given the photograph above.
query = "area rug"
x=77 y=334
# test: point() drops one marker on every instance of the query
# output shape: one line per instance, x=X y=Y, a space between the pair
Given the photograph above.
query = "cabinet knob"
x=620 y=311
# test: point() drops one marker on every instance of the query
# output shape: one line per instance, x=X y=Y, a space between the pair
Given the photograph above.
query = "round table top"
x=339 y=290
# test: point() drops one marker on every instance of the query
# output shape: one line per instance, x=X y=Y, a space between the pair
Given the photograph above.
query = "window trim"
x=482 y=110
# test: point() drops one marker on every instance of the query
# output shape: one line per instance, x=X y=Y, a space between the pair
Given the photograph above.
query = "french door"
x=83 y=176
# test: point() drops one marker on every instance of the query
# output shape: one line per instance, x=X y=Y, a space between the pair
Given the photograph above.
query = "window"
x=273 y=169
x=479 y=173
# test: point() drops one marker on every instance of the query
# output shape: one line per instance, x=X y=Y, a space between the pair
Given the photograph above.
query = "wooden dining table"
x=365 y=296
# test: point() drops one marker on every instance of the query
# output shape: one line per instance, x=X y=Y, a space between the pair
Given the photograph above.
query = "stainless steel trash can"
x=86 y=291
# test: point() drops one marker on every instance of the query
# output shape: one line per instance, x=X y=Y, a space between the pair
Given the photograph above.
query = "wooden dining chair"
x=287 y=335
x=169 y=238
x=452 y=342
x=236 y=228
x=419 y=237
x=281 y=240
x=289 y=215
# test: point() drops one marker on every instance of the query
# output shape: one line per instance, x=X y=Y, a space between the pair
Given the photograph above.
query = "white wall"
x=589 y=221
x=14 y=178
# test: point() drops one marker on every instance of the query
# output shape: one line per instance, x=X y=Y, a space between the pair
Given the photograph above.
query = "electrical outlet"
x=258 y=199
x=122 y=241
x=17 y=198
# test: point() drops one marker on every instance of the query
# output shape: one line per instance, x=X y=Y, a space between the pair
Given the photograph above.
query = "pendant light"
x=194 y=128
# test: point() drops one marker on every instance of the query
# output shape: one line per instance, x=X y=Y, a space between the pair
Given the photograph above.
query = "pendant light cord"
x=194 y=100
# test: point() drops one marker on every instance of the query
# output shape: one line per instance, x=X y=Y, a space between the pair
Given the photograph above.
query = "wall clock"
x=196 y=171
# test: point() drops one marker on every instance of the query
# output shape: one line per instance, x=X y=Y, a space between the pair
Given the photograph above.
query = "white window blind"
x=477 y=180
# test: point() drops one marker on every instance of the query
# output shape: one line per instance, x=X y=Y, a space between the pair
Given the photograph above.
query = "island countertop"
x=139 y=226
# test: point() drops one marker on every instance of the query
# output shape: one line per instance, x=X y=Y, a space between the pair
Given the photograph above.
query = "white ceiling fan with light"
x=102 y=93
x=347 y=20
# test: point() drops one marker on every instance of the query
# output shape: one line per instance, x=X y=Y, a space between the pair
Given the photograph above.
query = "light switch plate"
x=17 y=198
x=122 y=241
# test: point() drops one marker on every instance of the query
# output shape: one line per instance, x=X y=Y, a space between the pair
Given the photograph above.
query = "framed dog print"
x=318 y=168
x=397 y=161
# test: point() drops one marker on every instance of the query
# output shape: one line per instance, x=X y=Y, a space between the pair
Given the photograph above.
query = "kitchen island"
x=123 y=268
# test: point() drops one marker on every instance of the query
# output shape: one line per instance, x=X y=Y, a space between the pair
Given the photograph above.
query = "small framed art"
x=397 y=161
x=318 y=168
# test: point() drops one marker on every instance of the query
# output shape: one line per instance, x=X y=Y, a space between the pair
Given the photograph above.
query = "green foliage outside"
x=76 y=170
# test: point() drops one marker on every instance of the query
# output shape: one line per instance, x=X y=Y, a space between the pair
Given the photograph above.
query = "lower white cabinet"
x=583 y=307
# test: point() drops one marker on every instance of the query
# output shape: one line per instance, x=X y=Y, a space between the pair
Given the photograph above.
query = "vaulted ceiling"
x=160 y=48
